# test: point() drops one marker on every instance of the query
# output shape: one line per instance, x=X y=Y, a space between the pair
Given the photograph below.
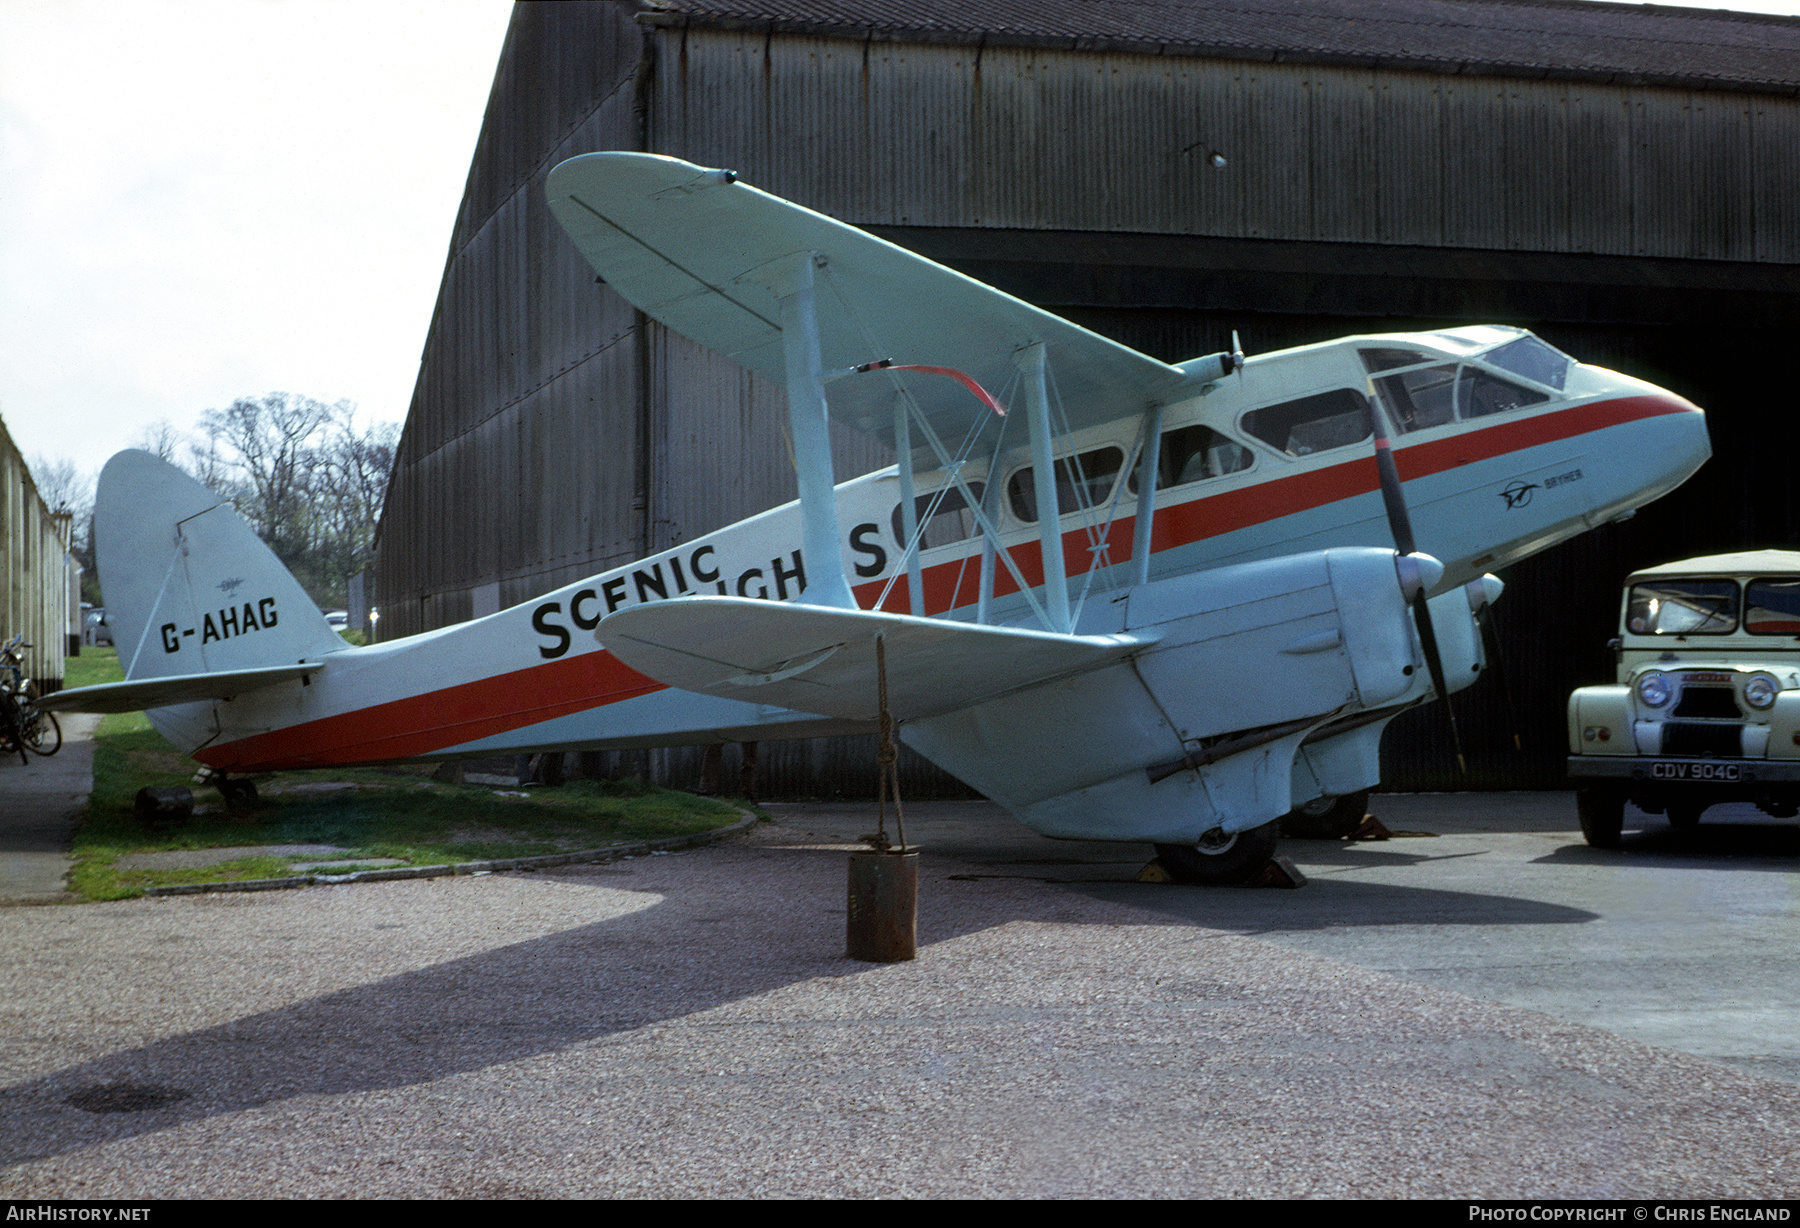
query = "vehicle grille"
x=1707 y=703
x=1702 y=738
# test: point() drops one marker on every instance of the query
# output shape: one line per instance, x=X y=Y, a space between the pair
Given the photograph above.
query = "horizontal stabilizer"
x=816 y=659
x=142 y=693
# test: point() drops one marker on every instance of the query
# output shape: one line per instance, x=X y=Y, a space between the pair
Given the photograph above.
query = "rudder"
x=189 y=586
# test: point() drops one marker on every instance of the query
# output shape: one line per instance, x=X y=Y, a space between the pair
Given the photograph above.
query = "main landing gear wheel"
x=1220 y=859
x=1602 y=814
x=1326 y=818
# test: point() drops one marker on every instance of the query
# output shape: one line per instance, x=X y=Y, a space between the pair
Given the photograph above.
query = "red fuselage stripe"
x=454 y=716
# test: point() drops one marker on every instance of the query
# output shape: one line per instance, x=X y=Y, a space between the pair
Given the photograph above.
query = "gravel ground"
x=687 y=1025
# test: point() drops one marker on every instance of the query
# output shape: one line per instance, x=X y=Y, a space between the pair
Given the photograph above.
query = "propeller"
x=1405 y=546
x=1482 y=594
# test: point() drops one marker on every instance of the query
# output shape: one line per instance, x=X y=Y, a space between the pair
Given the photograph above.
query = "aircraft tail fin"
x=190 y=588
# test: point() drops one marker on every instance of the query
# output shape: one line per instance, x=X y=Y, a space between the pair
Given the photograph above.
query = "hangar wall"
x=554 y=432
x=1042 y=139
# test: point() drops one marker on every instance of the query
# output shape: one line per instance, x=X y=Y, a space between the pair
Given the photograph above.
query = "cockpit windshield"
x=1533 y=359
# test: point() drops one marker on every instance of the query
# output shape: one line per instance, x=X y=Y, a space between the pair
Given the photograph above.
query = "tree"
x=310 y=482
x=65 y=487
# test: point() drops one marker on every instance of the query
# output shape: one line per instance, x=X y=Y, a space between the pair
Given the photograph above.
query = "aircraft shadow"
x=1329 y=902
x=512 y=1002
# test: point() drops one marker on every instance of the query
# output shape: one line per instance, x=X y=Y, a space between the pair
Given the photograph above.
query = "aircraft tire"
x=1684 y=816
x=1326 y=818
x=1221 y=863
x=238 y=792
x=1602 y=815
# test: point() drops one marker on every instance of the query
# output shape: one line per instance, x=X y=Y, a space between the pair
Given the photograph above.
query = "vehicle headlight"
x=1653 y=689
x=1761 y=690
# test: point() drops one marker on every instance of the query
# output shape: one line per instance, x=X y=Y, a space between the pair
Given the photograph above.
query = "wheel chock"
x=1280 y=872
x=1153 y=872
x=1371 y=828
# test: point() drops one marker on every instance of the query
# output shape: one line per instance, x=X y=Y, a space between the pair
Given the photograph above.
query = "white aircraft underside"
x=1197 y=679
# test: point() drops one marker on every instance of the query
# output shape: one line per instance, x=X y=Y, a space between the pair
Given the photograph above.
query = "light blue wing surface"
x=692 y=248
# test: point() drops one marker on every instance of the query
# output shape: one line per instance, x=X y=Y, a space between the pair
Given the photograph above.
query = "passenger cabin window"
x=1334 y=419
x=1419 y=397
x=1193 y=454
x=1772 y=607
x=952 y=522
x=1682 y=607
x=1082 y=481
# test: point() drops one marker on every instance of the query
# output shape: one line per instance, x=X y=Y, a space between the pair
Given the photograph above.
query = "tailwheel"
x=238 y=792
x=1326 y=818
x=1221 y=858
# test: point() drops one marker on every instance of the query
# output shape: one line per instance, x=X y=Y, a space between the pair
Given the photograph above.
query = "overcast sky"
x=208 y=199
x=202 y=200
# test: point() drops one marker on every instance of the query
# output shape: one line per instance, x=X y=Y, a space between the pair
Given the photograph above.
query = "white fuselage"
x=1484 y=491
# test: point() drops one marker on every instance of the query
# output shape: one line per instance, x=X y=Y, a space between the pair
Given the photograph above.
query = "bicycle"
x=22 y=727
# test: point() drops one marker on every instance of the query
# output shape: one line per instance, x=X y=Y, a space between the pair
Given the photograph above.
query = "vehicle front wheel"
x=1220 y=859
x=1326 y=818
x=1602 y=814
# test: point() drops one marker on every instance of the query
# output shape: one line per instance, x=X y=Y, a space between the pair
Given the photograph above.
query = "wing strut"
x=1043 y=472
x=909 y=508
x=1149 y=458
x=793 y=286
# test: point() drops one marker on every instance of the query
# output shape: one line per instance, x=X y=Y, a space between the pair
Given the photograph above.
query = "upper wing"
x=814 y=659
x=141 y=693
x=685 y=245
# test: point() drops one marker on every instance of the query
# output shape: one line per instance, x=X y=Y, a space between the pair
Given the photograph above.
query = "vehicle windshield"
x=1683 y=607
x=1772 y=607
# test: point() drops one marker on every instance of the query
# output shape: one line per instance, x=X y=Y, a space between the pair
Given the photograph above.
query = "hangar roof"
x=1621 y=44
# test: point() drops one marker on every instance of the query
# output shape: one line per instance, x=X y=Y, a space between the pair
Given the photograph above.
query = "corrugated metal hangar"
x=1622 y=180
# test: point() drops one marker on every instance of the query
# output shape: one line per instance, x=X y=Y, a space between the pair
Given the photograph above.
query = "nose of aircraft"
x=1660 y=436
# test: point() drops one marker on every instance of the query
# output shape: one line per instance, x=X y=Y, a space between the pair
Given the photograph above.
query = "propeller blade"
x=1435 y=664
x=1497 y=665
x=1400 y=526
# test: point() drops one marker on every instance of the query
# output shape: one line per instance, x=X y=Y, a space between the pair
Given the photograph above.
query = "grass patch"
x=396 y=813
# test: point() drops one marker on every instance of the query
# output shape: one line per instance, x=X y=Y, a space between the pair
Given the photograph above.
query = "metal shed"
x=1621 y=179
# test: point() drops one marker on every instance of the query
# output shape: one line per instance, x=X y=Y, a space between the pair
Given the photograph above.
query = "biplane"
x=1128 y=600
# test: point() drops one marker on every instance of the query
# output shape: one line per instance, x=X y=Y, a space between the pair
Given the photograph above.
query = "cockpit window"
x=1479 y=394
x=1772 y=607
x=1379 y=360
x=1312 y=424
x=1682 y=607
x=1434 y=393
x=1533 y=359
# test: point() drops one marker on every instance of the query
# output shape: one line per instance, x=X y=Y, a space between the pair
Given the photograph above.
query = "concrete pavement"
x=39 y=802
